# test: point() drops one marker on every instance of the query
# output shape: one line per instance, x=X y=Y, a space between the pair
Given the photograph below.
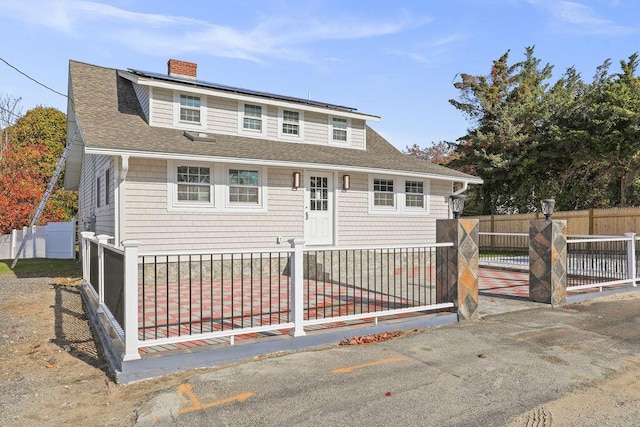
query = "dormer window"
x=339 y=130
x=252 y=117
x=190 y=109
x=290 y=123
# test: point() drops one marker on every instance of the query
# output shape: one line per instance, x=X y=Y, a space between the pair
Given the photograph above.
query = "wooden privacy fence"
x=613 y=221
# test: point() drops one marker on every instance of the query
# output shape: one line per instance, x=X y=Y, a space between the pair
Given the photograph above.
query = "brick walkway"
x=177 y=310
x=505 y=283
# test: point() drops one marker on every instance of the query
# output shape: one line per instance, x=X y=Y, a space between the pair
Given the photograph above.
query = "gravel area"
x=51 y=372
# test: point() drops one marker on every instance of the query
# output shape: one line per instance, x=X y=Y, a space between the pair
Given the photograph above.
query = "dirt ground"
x=51 y=372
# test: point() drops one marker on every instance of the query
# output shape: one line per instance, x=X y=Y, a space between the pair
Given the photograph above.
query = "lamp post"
x=457 y=204
x=547 y=207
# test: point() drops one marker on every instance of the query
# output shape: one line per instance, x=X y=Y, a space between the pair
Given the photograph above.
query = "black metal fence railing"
x=94 y=273
x=212 y=293
x=114 y=283
x=358 y=281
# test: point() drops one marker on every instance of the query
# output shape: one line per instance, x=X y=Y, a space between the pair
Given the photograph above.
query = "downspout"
x=465 y=185
x=124 y=169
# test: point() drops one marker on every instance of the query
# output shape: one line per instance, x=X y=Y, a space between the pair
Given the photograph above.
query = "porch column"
x=457 y=266
x=548 y=261
x=296 y=272
x=130 y=300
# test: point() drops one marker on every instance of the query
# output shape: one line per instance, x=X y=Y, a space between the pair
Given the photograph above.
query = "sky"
x=394 y=59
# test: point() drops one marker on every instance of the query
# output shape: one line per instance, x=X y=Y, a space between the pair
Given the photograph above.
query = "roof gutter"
x=276 y=163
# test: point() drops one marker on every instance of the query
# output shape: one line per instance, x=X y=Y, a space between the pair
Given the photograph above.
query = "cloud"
x=431 y=53
x=283 y=37
x=576 y=18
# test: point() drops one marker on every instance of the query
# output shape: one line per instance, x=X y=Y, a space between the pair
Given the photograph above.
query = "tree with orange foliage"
x=34 y=146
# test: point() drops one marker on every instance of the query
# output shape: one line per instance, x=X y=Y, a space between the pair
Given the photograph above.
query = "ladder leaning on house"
x=45 y=197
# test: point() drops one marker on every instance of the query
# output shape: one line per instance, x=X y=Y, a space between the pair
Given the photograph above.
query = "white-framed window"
x=193 y=184
x=290 y=124
x=190 y=185
x=398 y=195
x=107 y=186
x=252 y=118
x=189 y=111
x=212 y=187
x=244 y=186
x=414 y=194
x=383 y=193
x=98 y=192
x=339 y=130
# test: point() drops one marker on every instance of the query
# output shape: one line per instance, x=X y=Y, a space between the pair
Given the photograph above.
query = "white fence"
x=54 y=240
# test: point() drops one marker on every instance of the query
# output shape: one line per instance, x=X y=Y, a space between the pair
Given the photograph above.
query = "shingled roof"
x=111 y=120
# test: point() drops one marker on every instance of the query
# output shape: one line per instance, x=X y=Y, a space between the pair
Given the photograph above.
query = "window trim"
x=172 y=187
x=425 y=195
x=383 y=209
x=263 y=116
x=177 y=107
x=281 y=123
x=262 y=190
x=219 y=183
x=349 y=131
x=400 y=202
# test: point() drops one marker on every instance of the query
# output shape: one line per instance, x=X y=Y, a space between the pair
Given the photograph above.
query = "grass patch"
x=43 y=267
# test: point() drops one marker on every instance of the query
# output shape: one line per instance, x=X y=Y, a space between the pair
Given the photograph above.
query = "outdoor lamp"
x=547 y=208
x=457 y=204
x=296 y=180
x=346 y=182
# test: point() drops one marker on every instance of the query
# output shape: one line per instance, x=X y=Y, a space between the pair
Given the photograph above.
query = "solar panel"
x=202 y=83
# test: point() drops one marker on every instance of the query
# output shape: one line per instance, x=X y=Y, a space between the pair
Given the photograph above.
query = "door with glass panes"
x=318 y=211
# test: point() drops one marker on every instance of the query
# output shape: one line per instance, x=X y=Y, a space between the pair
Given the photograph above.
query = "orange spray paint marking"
x=349 y=369
x=189 y=397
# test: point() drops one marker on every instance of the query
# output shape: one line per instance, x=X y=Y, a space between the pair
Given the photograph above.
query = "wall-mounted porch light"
x=296 y=180
x=547 y=207
x=457 y=204
x=346 y=182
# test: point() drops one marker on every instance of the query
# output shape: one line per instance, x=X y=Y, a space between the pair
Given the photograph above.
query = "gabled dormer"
x=179 y=100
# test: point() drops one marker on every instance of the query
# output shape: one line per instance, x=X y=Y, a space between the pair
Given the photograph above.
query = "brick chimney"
x=182 y=69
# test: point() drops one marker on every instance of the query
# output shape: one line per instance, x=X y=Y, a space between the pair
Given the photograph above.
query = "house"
x=179 y=163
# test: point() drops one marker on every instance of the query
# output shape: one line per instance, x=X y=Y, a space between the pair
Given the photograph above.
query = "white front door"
x=318 y=210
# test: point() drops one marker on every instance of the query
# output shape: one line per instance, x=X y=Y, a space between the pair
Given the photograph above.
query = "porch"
x=215 y=303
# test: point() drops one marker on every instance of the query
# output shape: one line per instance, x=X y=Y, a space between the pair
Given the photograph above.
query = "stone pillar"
x=457 y=266
x=548 y=261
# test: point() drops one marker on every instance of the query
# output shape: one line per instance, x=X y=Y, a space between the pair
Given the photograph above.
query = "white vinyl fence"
x=54 y=240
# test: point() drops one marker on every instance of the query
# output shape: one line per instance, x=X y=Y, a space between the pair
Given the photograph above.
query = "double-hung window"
x=107 y=186
x=339 y=128
x=290 y=123
x=190 y=109
x=414 y=194
x=383 y=193
x=252 y=120
x=244 y=187
x=193 y=184
x=98 y=191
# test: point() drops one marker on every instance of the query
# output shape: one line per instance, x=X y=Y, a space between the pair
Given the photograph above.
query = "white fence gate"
x=54 y=240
